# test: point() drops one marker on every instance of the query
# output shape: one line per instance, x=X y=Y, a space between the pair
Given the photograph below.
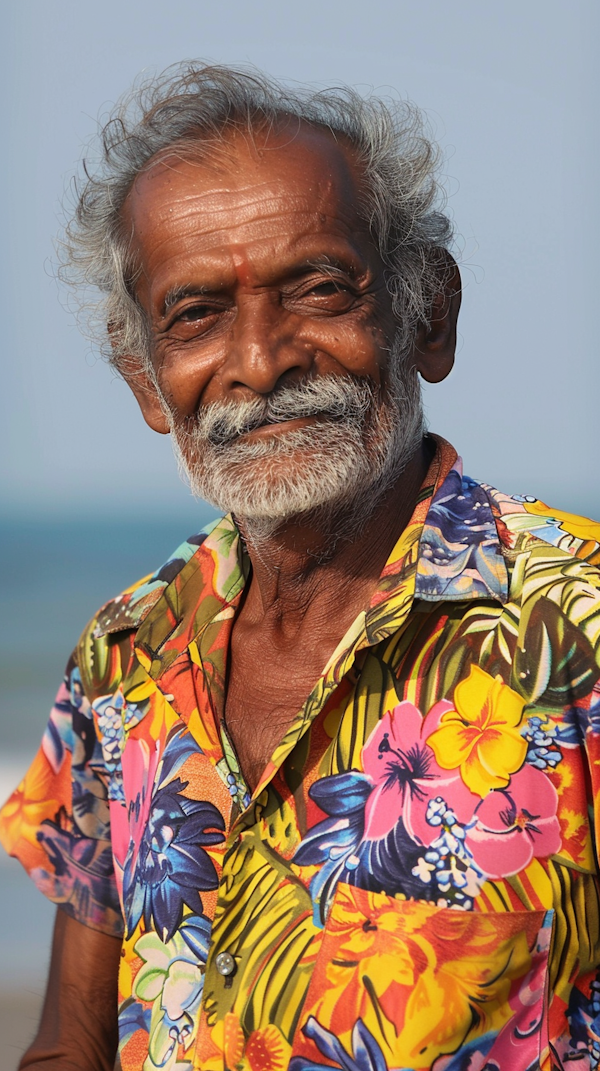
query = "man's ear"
x=435 y=344
x=137 y=377
x=140 y=382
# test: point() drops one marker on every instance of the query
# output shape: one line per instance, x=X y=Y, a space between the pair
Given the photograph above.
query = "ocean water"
x=53 y=577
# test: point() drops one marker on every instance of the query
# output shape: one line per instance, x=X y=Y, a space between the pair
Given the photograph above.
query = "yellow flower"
x=580 y=527
x=481 y=735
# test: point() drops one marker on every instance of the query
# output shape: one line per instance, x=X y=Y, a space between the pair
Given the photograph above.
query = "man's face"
x=270 y=323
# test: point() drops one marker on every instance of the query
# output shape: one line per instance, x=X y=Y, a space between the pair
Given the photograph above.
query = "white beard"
x=343 y=462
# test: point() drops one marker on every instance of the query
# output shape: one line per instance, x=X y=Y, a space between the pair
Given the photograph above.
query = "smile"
x=270 y=427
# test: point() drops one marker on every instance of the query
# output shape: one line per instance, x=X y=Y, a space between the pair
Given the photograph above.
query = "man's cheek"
x=343 y=346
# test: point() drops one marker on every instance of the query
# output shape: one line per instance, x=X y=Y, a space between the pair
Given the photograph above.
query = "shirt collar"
x=450 y=549
x=460 y=554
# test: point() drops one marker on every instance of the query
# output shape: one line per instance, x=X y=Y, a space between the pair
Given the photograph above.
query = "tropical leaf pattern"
x=413 y=885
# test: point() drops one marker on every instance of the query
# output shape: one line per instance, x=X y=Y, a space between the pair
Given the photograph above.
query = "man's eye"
x=330 y=289
x=327 y=289
x=197 y=312
x=330 y=296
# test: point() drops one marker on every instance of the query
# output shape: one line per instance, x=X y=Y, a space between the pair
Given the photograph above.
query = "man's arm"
x=78 y=1028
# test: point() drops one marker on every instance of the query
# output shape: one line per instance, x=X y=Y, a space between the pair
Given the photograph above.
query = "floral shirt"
x=414 y=882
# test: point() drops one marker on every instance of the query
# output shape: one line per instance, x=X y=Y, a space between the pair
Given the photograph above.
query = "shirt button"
x=225 y=964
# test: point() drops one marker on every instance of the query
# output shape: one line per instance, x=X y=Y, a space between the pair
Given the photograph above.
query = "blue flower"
x=576 y=722
x=109 y=712
x=448 y=862
x=542 y=739
x=171 y=866
x=132 y=1017
x=462 y=512
x=471 y=1055
x=338 y=847
x=367 y=1055
x=366 y=1052
x=81 y=876
x=583 y=1015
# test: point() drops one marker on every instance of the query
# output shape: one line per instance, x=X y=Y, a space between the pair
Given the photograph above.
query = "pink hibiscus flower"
x=406 y=775
x=128 y=821
x=515 y=824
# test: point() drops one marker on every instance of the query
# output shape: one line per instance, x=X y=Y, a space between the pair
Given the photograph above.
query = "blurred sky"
x=511 y=87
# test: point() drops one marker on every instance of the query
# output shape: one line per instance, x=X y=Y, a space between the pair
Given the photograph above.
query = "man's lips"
x=270 y=427
x=274 y=427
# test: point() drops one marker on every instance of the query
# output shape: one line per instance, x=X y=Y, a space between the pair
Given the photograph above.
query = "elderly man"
x=319 y=792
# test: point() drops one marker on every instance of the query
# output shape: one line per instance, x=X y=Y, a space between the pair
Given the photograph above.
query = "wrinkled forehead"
x=243 y=178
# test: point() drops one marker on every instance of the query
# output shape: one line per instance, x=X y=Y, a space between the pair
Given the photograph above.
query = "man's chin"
x=275 y=485
x=264 y=506
x=274 y=505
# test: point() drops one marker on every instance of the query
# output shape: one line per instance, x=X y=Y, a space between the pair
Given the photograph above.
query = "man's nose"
x=265 y=344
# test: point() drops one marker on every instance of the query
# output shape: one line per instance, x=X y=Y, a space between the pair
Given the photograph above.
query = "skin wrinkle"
x=178 y=293
x=244 y=202
x=332 y=267
x=213 y=268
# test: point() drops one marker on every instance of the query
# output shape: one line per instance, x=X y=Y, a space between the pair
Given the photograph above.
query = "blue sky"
x=511 y=90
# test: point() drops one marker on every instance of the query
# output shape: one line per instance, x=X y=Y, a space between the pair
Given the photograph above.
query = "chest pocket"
x=409 y=982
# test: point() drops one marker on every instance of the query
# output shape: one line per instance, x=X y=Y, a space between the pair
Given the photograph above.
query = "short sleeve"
x=57 y=821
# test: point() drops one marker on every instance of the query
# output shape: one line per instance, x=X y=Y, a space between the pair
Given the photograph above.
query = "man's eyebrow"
x=333 y=266
x=176 y=293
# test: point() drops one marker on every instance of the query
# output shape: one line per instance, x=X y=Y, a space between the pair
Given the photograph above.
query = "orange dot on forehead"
x=241 y=265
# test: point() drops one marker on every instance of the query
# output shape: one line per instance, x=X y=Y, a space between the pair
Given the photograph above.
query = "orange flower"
x=40 y=796
x=481 y=735
x=232 y=1039
x=422 y=980
x=134 y=1053
x=265 y=1050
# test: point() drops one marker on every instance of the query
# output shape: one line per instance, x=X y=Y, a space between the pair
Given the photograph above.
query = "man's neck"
x=296 y=573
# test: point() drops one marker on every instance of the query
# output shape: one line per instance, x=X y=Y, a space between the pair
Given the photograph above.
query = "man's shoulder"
x=130 y=607
x=526 y=524
x=479 y=542
x=125 y=612
x=553 y=565
x=106 y=643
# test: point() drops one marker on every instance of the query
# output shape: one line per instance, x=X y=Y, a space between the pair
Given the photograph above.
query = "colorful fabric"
x=414 y=883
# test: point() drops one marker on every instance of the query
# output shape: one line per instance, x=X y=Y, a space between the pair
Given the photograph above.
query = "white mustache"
x=340 y=399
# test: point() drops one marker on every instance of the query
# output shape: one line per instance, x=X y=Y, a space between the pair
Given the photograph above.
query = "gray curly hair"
x=197 y=105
